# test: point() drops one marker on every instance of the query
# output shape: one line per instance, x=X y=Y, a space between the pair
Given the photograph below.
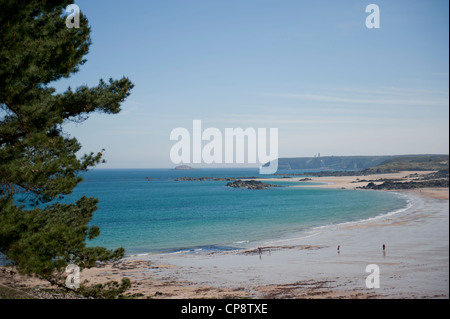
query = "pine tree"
x=38 y=162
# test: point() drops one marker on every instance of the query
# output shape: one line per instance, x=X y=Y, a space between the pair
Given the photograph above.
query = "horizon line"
x=206 y=166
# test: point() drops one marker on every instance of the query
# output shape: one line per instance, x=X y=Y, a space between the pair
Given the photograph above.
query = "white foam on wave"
x=241 y=242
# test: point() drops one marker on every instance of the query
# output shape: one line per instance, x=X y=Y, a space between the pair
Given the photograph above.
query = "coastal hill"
x=412 y=163
x=382 y=163
x=437 y=164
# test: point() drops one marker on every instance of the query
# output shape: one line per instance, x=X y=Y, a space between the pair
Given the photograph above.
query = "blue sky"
x=312 y=69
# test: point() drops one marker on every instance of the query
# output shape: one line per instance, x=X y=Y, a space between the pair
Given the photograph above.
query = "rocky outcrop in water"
x=251 y=184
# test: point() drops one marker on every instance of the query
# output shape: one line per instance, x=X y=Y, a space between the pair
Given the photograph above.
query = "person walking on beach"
x=338 y=249
x=384 y=250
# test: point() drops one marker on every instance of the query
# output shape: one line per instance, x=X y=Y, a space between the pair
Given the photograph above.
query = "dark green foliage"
x=38 y=161
x=109 y=290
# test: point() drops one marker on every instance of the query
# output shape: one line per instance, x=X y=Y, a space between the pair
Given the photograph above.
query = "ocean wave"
x=241 y=242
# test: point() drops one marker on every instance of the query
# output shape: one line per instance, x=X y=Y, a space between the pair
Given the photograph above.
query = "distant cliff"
x=331 y=162
x=383 y=162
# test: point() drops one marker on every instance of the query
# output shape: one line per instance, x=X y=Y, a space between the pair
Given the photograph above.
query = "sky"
x=312 y=69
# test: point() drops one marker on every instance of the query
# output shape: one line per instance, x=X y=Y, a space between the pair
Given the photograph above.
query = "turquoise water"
x=163 y=215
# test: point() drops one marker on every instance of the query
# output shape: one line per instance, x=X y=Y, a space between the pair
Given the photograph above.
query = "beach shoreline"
x=414 y=264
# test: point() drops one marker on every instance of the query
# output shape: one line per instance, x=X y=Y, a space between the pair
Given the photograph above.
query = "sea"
x=147 y=211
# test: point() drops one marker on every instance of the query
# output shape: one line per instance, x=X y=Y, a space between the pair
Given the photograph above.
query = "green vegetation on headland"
x=412 y=163
x=368 y=164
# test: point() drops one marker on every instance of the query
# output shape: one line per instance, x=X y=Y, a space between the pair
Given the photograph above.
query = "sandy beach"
x=414 y=264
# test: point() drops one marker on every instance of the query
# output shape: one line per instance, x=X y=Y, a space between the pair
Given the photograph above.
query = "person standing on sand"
x=338 y=249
